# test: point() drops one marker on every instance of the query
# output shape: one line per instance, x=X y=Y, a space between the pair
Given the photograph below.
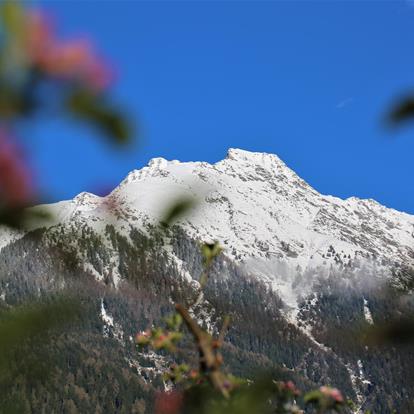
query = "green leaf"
x=12 y=16
x=402 y=111
x=396 y=332
x=28 y=327
x=210 y=251
x=97 y=111
x=177 y=209
x=174 y=321
x=23 y=218
x=312 y=396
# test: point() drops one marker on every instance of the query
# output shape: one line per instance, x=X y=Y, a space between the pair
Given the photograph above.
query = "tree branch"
x=210 y=361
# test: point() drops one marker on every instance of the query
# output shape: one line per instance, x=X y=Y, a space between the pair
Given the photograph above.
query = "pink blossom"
x=193 y=374
x=332 y=393
x=290 y=386
x=39 y=39
x=142 y=337
x=168 y=402
x=15 y=180
x=74 y=60
x=337 y=395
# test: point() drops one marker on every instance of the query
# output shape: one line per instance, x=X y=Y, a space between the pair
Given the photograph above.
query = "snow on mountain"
x=256 y=206
x=299 y=269
x=260 y=211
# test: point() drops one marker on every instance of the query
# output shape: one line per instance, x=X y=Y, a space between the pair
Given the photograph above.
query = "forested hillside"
x=100 y=369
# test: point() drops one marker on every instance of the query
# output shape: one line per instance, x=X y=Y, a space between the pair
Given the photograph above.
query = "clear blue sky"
x=309 y=81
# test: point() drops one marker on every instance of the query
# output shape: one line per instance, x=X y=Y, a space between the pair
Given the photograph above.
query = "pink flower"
x=142 y=338
x=39 y=37
x=77 y=61
x=98 y=74
x=337 y=395
x=15 y=181
x=290 y=386
x=74 y=60
x=332 y=393
x=193 y=374
x=168 y=402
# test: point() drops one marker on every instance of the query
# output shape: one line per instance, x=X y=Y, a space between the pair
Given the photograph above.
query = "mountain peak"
x=261 y=158
x=157 y=162
x=258 y=207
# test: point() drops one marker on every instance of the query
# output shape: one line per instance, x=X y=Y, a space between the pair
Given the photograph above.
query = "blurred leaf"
x=18 y=97
x=177 y=209
x=22 y=218
x=247 y=399
x=11 y=103
x=36 y=217
x=402 y=111
x=34 y=320
x=12 y=16
x=394 y=332
x=13 y=56
x=174 y=321
x=96 y=110
x=27 y=326
x=210 y=251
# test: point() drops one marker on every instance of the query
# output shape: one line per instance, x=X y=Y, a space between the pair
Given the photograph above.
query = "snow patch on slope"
x=110 y=327
x=367 y=313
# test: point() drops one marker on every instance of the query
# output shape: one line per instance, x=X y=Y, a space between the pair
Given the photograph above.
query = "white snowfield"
x=255 y=206
x=258 y=209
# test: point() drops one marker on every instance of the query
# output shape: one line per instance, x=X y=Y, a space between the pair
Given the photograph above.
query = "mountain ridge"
x=296 y=266
x=251 y=179
x=257 y=208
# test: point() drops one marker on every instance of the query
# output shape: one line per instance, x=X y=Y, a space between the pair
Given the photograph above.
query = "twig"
x=223 y=331
x=210 y=361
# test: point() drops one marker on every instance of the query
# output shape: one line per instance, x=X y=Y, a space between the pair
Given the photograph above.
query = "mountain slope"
x=297 y=267
x=260 y=211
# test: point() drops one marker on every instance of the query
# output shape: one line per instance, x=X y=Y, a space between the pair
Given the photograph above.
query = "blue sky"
x=309 y=81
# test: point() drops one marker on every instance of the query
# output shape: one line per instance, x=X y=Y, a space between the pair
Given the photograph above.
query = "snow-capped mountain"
x=288 y=251
x=256 y=207
x=259 y=210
